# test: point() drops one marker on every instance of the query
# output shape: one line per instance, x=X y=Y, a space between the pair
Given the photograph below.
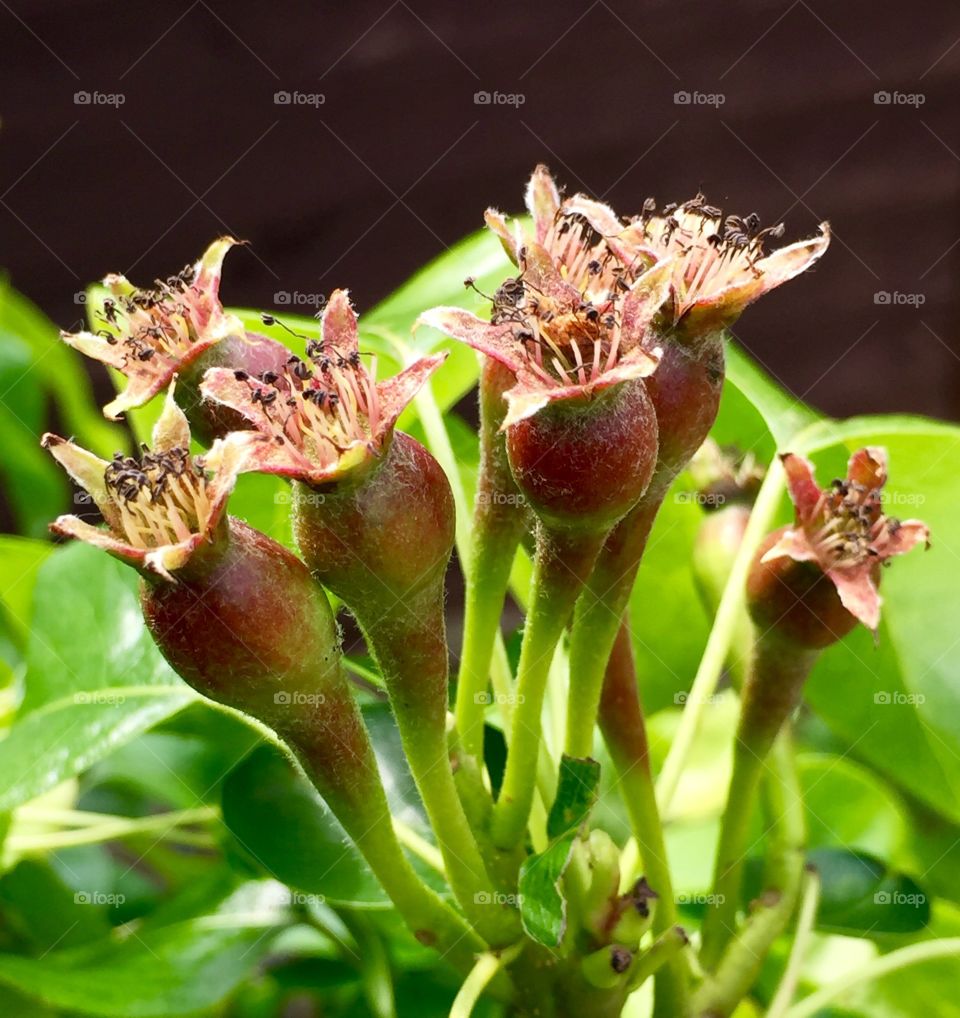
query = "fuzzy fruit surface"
x=247 y=626
x=685 y=390
x=796 y=599
x=583 y=463
x=384 y=538
x=251 y=353
x=498 y=497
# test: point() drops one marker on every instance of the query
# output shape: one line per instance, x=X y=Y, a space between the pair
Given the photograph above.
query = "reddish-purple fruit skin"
x=252 y=353
x=387 y=536
x=685 y=390
x=584 y=463
x=246 y=625
x=796 y=600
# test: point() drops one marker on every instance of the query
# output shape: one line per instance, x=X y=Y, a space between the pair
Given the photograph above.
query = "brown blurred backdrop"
x=802 y=111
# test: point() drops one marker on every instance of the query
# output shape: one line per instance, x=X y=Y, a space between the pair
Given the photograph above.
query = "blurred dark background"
x=801 y=111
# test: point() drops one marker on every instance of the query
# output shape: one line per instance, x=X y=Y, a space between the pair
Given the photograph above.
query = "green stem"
x=410 y=646
x=336 y=754
x=496 y=536
x=624 y=730
x=499 y=521
x=598 y=615
x=721 y=636
x=895 y=961
x=662 y=951
x=740 y=963
x=771 y=693
x=487 y=966
x=809 y=900
x=562 y=563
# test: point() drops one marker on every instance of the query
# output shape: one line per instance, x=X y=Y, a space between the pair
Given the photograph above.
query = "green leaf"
x=861 y=896
x=95 y=680
x=59 y=371
x=848 y=806
x=44 y=911
x=64 y=737
x=543 y=908
x=178 y=969
x=784 y=414
x=88 y=632
x=479 y=256
x=576 y=795
x=20 y=560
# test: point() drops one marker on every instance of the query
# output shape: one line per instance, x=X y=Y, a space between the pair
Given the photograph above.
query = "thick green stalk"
x=499 y=521
x=562 y=563
x=624 y=731
x=357 y=799
x=741 y=961
x=771 y=693
x=410 y=646
x=495 y=538
x=599 y=612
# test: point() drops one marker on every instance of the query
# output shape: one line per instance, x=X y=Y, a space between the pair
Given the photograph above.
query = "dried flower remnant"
x=318 y=419
x=840 y=533
x=177 y=327
x=159 y=508
x=720 y=261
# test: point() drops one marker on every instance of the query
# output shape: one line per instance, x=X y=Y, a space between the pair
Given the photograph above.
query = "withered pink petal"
x=338 y=326
x=858 y=593
x=540 y=273
x=210 y=265
x=777 y=268
x=99 y=537
x=171 y=430
x=644 y=299
x=601 y=217
x=792 y=544
x=868 y=467
x=530 y=394
x=908 y=535
x=542 y=200
x=257 y=452
x=512 y=240
x=221 y=385
x=496 y=341
x=802 y=484
x=393 y=394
